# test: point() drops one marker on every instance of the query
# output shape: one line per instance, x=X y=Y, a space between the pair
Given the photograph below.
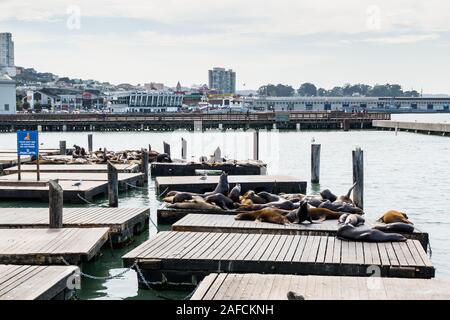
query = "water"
x=407 y=172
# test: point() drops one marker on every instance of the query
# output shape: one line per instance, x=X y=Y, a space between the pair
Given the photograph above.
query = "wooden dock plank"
x=26 y=282
x=123 y=223
x=226 y=223
x=73 y=168
x=48 y=246
x=199 y=184
x=266 y=253
x=321 y=287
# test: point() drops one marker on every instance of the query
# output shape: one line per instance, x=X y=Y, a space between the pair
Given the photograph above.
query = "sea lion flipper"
x=351 y=189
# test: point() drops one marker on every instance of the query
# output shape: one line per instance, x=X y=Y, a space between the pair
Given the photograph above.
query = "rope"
x=160 y=196
x=130 y=185
x=85 y=200
x=154 y=224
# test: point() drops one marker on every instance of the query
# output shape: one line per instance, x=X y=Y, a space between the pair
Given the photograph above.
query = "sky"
x=328 y=43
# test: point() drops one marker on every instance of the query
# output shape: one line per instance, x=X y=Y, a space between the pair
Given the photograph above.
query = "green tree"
x=307 y=90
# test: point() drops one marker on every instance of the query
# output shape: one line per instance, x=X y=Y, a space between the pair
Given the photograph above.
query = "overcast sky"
x=278 y=41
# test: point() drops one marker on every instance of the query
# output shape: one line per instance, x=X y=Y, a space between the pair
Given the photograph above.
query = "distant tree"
x=279 y=90
x=307 y=90
x=336 y=92
x=37 y=107
x=284 y=91
x=26 y=105
x=412 y=93
x=321 y=92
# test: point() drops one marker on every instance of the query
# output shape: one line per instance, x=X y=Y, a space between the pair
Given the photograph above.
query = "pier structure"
x=283 y=120
x=442 y=129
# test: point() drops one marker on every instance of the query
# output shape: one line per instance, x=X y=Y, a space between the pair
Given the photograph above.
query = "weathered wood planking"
x=86 y=185
x=199 y=184
x=74 y=168
x=123 y=223
x=161 y=169
x=49 y=246
x=27 y=282
x=231 y=286
x=186 y=257
x=226 y=223
x=168 y=216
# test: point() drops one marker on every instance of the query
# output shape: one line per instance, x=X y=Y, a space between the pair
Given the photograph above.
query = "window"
x=6 y=107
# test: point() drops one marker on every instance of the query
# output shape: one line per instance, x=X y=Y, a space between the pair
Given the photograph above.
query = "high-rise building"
x=221 y=80
x=7 y=54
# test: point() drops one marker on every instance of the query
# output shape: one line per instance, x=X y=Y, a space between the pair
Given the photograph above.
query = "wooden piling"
x=256 y=145
x=315 y=163
x=217 y=155
x=358 y=177
x=113 y=186
x=166 y=148
x=90 y=144
x=55 y=198
x=144 y=164
x=62 y=147
x=183 y=149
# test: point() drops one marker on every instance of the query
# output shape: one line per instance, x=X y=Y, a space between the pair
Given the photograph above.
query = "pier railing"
x=167 y=121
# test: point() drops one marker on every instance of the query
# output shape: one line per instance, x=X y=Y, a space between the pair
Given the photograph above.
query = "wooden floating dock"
x=74 y=168
x=199 y=184
x=226 y=223
x=442 y=129
x=92 y=185
x=49 y=246
x=123 y=223
x=168 y=216
x=159 y=169
x=184 y=258
x=232 y=286
x=26 y=282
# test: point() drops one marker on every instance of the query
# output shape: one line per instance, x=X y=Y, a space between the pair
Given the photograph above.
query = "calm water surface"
x=408 y=172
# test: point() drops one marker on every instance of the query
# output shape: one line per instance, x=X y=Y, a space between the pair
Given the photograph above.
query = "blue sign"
x=27 y=143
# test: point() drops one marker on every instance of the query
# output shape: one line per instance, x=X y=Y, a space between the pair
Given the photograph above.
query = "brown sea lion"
x=353 y=219
x=293 y=197
x=194 y=204
x=253 y=197
x=269 y=215
x=181 y=197
x=346 y=198
x=268 y=197
x=222 y=187
x=322 y=213
x=394 y=216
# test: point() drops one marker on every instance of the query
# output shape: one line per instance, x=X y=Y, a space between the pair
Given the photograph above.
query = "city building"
x=62 y=99
x=347 y=104
x=7 y=54
x=144 y=101
x=154 y=86
x=7 y=95
x=222 y=81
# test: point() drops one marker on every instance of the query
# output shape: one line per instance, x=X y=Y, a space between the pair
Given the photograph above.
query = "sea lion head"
x=303 y=212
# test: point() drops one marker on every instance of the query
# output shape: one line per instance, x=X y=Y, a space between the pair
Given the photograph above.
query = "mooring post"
x=183 y=149
x=358 y=177
x=90 y=145
x=256 y=145
x=55 y=204
x=62 y=148
x=113 y=186
x=315 y=163
x=144 y=164
x=166 y=148
x=217 y=155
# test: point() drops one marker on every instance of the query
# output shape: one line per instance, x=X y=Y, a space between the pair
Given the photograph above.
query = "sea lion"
x=250 y=195
x=163 y=157
x=281 y=204
x=293 y=197
x=346 y=198
x=394 y=216
x=270 y=215
x=328 y=195
x=235 y=193
x=222 y=201
x=322 y=213
x=354 y=220
x=222 y=187
x=395 y=227
x=181 y=197
x=340 y=207
x=194 y=204
x=300 y=215
x=350 y=232
x=173 y=193
x=268 y=197
x=314 y=202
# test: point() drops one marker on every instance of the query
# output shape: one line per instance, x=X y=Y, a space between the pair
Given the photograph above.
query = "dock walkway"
x=26 y=282
x=226 y=223
x=160 y=169
x=49 y=246
x=231 y=286
x=417 y=127
x=199 y=184
x=186 y=257
x=74 y=168
x=123 y=223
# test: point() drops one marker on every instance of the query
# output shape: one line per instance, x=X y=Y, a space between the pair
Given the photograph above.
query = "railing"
x=174 y=117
